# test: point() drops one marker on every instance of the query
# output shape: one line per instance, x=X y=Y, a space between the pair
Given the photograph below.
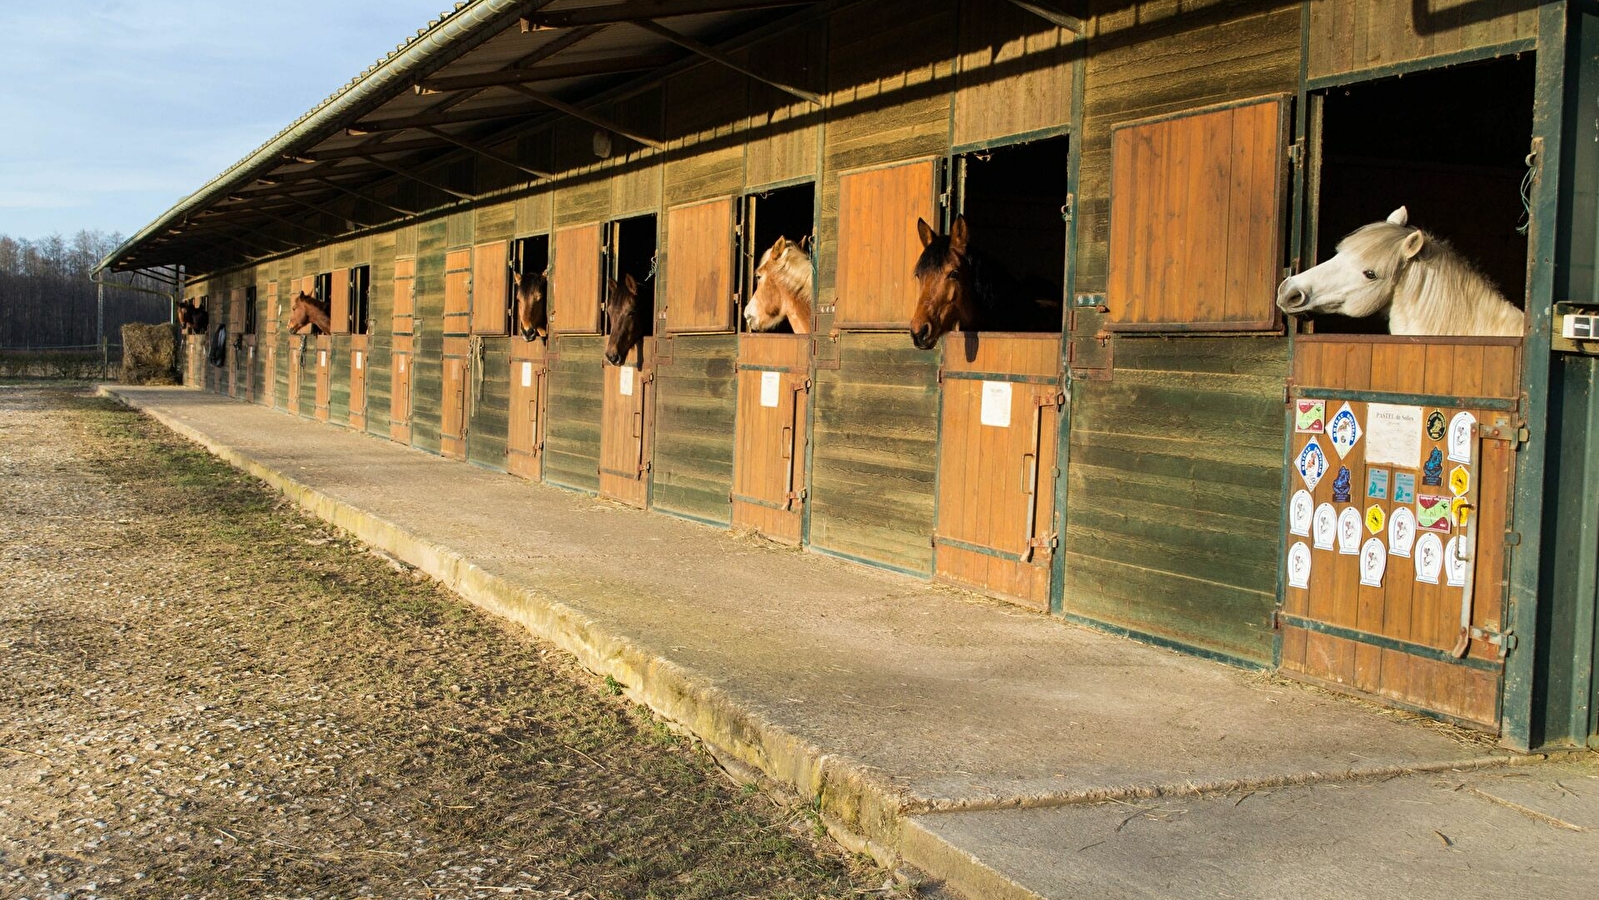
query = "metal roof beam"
x=328 y=182
x=558 y=72
x=480 y=150
x=420 y=179
x=717 y=56
x=648 y=9
x=361 y=150
x=594 y=119
x=422 y=120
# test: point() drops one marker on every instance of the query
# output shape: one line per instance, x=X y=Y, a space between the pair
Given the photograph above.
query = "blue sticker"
x=1312 y=464
x=1341 y=485
x=1377 y=484
x=1432 y=471
x=1404 y=487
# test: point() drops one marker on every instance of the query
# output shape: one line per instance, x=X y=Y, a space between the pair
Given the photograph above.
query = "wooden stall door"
x=996 y=466
x=269 y=364
x=1396 y=632
x=296 y=369
x=878 y=245
x=525 y=439
x=324 y=375
x=491 y=274
x=358 y=359
x=339 y=301
x=626 y=421
x=769 y=462
x=575 y=281
x=401 y=328
x=699 y=276
x=457 y=352
x=235 y=349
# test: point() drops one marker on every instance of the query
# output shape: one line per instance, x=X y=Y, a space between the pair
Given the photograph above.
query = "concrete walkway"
x=934 y=728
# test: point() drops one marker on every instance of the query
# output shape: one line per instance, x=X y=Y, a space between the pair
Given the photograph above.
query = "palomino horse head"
x=1359 y=280
x=307 y=310
x=782 y=289
x=947 y=298
x=532 y=304
x=628 y=317
x=1419 y=280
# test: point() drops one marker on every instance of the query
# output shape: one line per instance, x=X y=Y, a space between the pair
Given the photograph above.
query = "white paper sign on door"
x=625 y=380
x=771 y=385
x=527 y=374
x=321 y=357
x=358 y=360
x=1373 y=560
x=996 y=403
x=1393 y=435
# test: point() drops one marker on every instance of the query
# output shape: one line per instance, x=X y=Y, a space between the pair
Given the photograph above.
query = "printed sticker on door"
x=1401 y=531
x=1299 y=513
x=1377 y=484
x=624 y=381
x=1310 y=416
x=1393 y=435
x=1432 y=513
x=1373 y=560
x=1454 y=563
x=1374 y=518
x=996 y=404
x=1461 y=428
x=1312 y=464
x=1299 y=565
x=1344 y=431
x=1324 y=528
x=771 y=387
x=1429 y=558
x=1349 y=531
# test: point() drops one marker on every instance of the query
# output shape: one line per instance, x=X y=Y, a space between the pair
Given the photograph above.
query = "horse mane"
x=1004 y=302
x=793 y=272
x=1438 y=291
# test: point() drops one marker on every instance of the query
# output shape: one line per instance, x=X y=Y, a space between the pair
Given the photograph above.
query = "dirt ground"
x=206 y=694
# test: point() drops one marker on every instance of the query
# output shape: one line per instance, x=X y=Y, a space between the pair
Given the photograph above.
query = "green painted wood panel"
x=695 y=407
x=427 y=365
x=572 y=435
x=1175 y=492
x=379 y=341
x=339 y=380
x=489 y=412
x=875 y=450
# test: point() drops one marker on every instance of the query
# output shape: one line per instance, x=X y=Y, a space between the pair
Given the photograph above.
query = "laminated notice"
x=996 y=404
x=624 y=381
x=771 y=388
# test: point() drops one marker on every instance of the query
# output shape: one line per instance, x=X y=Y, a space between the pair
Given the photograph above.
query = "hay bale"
x=149 y=354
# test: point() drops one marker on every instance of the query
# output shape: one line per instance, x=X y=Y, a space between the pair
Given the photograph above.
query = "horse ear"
x=1400 y=216
x=611 y=286
x=516 y=278
x=958 y=235
x=632 y=285
x=1412 y=244
x=925 y=231
x=780 y=248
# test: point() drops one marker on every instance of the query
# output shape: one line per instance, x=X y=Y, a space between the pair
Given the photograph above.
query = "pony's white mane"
x=792 y=272
x=1437 y=291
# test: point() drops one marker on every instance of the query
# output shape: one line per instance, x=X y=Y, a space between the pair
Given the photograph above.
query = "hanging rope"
x=1526 y=195
x=475 y=363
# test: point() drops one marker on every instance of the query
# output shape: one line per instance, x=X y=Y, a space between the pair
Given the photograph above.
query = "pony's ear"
x=958 y=235
x=780 y=248
x=611 y=286
x=1400 y=216
x=925 y=231
x=1412 y=244
x=632 y=285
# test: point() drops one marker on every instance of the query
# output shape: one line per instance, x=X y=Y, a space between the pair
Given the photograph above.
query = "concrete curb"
x=862 y=811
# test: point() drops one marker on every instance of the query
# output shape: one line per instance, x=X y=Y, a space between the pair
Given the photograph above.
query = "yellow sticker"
x=1374 y=518
x=1460 y=511
x=1459 y=481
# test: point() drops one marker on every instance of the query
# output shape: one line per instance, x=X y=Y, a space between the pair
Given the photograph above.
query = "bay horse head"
x=532 y=304
x=307 y=310
x=783 y=285
x=192 y=317
x=1423 y=285
x=947 y=298
x=628 y=317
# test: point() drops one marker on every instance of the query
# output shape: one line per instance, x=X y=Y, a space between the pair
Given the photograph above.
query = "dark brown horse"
x=532 y=304
x=964 y=288
x=629 y=315
x=308 y=310
x=192 y=317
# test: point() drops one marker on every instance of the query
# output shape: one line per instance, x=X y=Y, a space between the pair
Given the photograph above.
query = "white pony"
x=1426 y=287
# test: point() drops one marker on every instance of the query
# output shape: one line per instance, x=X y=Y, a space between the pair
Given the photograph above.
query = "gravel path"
x=206 y=694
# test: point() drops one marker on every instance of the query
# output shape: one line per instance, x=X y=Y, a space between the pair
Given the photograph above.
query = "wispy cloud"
x=118 y=108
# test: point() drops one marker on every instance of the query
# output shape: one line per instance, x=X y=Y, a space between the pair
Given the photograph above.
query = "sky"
x=113 y=110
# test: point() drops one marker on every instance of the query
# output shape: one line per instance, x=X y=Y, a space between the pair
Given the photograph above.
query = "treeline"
x=47 y=300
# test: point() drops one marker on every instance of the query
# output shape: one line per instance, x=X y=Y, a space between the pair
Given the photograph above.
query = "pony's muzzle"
x=1291 y=298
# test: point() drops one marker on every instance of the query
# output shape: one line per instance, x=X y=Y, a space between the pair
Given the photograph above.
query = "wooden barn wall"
x=427 y=372
x=572 y=430
x=784 y=145
x=380 y=338
x=1015 y=73
x=339 y=366
x=1175 y=460
x=287 y=272
x=890 y=81
x=694 y=413
x=1357 y=35
x=489 y=404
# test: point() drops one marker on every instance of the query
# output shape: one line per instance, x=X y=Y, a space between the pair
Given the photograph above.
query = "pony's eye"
x=1370 y=275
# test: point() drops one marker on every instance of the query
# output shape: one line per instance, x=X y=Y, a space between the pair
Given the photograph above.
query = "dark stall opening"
x=1014 y=200
x=786 y=212
x=1449 y=145
x=631 y=250
x=360 y=299
x=530 y=255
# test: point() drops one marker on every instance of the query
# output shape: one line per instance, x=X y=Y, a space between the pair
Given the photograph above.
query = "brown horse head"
x=782 y=289
x=192 y=317
x=308 y=310
x=947 y=297
x=532 y=304
x=628 y=317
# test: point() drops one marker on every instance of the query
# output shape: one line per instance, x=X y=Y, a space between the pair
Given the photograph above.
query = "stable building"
x=1161 y=461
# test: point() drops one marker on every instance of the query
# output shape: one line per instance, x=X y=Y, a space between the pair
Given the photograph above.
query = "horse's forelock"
x=934 y=256
x=1376 y=243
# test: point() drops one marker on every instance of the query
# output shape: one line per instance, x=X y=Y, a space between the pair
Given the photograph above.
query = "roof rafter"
x=558 y=72
x=649 y=9
x=717 y=56
x=594 y=119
